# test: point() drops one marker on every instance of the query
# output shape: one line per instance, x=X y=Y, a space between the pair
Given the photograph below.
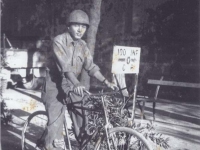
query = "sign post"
x=126 y=60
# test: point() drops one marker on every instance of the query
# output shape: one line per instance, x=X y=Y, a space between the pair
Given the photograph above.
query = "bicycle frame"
x=107 y=125
x=67 y=132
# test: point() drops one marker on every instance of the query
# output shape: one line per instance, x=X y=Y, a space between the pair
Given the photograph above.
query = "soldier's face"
x=77 y=30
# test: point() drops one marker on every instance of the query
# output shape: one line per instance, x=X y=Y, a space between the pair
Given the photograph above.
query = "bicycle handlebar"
x=99 y=94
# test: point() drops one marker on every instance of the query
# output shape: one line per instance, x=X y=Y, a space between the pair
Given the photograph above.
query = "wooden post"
x=134 y=97
x=155 y=97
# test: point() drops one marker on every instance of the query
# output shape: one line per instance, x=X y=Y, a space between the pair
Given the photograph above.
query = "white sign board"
x=125 y=59
x=16 y=58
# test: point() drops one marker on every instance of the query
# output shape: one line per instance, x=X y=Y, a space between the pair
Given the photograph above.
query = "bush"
x=6 y=115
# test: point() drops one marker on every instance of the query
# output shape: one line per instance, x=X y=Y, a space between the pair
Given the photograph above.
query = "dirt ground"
x=180 y=123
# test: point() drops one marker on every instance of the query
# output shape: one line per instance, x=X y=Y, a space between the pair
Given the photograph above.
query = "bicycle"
x=108 y=123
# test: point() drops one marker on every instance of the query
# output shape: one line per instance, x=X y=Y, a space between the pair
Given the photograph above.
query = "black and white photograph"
x=100 y=74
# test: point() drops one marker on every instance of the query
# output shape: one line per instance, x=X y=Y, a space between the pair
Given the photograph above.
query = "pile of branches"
x=148 y=132
x=118 y=116
x=114 y=107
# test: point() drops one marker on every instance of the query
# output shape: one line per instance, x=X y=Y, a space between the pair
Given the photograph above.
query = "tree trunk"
x=129 y=17
x=91 y=36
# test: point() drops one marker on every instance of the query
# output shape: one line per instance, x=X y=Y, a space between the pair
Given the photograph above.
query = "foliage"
x=149 y=133
x=155 y=29
x=114 y=108
x=3 y=62
x=170 y=43
x=166 y=32
x=44 y=17
x=1 y=5
x=6 y=115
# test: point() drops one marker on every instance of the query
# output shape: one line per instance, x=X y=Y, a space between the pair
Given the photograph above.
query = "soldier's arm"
x=93 y=70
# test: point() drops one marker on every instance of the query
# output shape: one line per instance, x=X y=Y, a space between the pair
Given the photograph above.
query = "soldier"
x=71 y=55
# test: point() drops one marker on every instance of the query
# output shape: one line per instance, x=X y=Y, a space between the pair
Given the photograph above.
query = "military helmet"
x=79 y=16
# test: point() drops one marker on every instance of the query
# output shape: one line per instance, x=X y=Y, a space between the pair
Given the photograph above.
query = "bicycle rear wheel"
x=123 y=138
x=34 y=131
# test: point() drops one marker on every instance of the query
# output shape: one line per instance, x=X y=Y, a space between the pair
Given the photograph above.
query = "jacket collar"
x=69 y=39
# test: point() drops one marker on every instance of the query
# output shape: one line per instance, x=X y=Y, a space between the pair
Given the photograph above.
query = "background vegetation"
x=166 y=30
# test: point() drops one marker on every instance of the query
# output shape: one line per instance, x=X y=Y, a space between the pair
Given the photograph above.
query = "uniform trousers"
x=53 y=95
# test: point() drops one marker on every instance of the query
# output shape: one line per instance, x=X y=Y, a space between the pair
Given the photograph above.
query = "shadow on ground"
x=30 y=95
x=11 y=133
x=186 y=136
x=182 y=114
x=11 y=138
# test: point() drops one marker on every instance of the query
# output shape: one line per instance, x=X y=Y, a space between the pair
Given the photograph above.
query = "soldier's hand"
x=111 y=85
x=79 y=89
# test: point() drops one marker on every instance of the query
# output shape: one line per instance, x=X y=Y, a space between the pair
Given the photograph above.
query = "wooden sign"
x=125 y=60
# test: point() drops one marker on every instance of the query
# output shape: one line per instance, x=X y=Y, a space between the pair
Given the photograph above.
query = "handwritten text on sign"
x=126 y=59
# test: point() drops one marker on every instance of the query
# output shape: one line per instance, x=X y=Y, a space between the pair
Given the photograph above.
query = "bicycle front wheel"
x=123 y=138
x=34 y=131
